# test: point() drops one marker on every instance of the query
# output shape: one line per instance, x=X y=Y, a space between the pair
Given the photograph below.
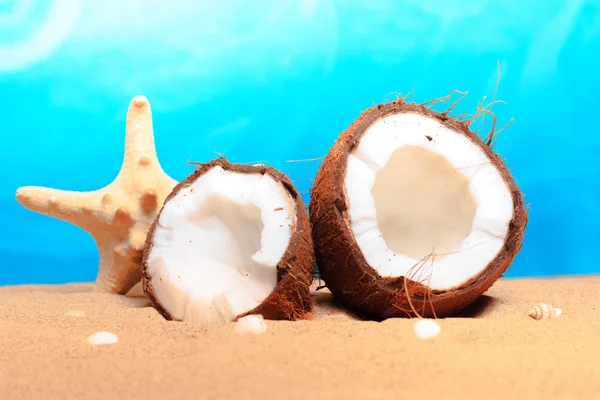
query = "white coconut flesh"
x=217 y=244
x=435 y=211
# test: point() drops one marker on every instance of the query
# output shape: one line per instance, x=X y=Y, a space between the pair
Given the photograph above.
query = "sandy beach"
x=492 y=351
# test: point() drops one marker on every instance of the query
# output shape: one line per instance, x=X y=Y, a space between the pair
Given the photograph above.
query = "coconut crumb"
x=99 y=338
x=426 y=329
x=250 y=324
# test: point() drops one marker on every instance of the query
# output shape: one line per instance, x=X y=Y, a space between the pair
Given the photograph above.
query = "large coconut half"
x=413 y=214
x=230 y=240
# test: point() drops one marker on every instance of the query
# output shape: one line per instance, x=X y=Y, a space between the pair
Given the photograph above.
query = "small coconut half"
x=230 y=240
x=413 y=214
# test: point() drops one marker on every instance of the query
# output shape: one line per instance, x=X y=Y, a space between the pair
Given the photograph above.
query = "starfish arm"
x=141 y=169
x=139 y=136
x=73 y=207
x=120 y=260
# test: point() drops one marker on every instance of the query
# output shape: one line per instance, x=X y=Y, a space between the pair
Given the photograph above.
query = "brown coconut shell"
x=290 y=299
x=354 y=283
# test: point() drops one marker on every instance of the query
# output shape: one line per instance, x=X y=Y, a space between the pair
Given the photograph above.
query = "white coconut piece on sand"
x=102 y=337
x=250 y=324
x=426 y=329
x=230 y=240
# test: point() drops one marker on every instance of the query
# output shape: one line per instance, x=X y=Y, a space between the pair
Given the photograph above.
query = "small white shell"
x=426 y=329
x=102 y=338
x=544 y=311
x=252 y=324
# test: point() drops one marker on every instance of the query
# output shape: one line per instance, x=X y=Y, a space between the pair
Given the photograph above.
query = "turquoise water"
x=279 y=81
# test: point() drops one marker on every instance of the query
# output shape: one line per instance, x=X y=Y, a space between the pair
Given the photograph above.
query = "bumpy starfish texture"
x=119 y=215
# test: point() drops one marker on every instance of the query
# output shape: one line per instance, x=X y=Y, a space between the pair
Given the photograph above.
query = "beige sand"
x=496 y=352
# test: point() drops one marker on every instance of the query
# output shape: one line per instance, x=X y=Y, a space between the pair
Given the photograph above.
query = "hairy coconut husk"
x=353 y=282
x=290 y=299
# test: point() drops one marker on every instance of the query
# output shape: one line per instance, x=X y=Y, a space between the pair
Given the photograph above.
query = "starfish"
x=119 y=215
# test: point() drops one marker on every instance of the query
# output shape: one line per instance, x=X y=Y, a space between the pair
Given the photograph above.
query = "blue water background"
x=279 y=80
